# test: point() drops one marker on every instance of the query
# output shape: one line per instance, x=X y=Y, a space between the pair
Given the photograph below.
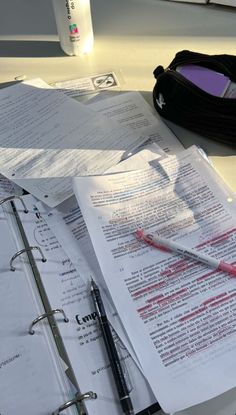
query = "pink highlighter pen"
x=171 y=246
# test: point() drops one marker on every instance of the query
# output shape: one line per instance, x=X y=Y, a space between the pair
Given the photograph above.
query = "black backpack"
x=179 y=100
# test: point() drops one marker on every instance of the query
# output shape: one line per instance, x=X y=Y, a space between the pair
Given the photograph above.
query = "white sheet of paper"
x=131 y=110
x=68 y=225
x=87 y=85
x=178 y=313
x=44 y=135
x=68 y=288
x=8 y=188
x=29 y=377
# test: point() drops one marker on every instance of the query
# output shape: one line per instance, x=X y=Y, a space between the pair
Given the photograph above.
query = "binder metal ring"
x=78 y=398
x=9 y=198
x=42 y=316
x=30 y=248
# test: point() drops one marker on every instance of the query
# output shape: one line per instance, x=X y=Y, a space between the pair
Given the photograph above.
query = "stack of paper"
x=55 y=137
x=177 y=312
x=96 y=174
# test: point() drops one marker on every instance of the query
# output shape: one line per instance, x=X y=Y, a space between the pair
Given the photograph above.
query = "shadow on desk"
x=30 y=49
x=186 y=137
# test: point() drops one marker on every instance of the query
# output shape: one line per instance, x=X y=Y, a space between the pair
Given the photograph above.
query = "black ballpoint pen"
x=116 y=367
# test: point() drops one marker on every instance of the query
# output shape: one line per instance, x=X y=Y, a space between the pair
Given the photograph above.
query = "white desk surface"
x=132 y=37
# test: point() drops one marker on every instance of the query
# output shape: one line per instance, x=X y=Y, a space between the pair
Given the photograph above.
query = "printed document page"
x=131 y=110
x=68 y=225
x=68 y=287
x=178 y=313
x=89 y=86
x=49 y=137
x=29 y=378
x=8 y=188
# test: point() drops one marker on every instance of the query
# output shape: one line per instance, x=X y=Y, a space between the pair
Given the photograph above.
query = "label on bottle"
x=74 y=25
x=74 y=32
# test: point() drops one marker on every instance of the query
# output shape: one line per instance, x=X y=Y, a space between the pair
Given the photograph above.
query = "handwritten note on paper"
x=49 y=137
x=67 y=288
x=178 y=310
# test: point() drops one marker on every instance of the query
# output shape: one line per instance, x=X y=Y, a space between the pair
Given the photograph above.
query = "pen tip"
x=93 y=284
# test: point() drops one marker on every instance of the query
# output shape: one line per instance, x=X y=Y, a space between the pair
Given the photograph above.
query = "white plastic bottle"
x=74 y=25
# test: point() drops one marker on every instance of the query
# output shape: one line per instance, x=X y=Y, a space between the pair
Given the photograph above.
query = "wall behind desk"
x=123 y=17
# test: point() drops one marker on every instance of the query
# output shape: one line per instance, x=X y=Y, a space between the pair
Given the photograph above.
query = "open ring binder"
x=53 y=352
x=21 y=251
x=77 y=399
x=9 y=198
x=42 y=316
